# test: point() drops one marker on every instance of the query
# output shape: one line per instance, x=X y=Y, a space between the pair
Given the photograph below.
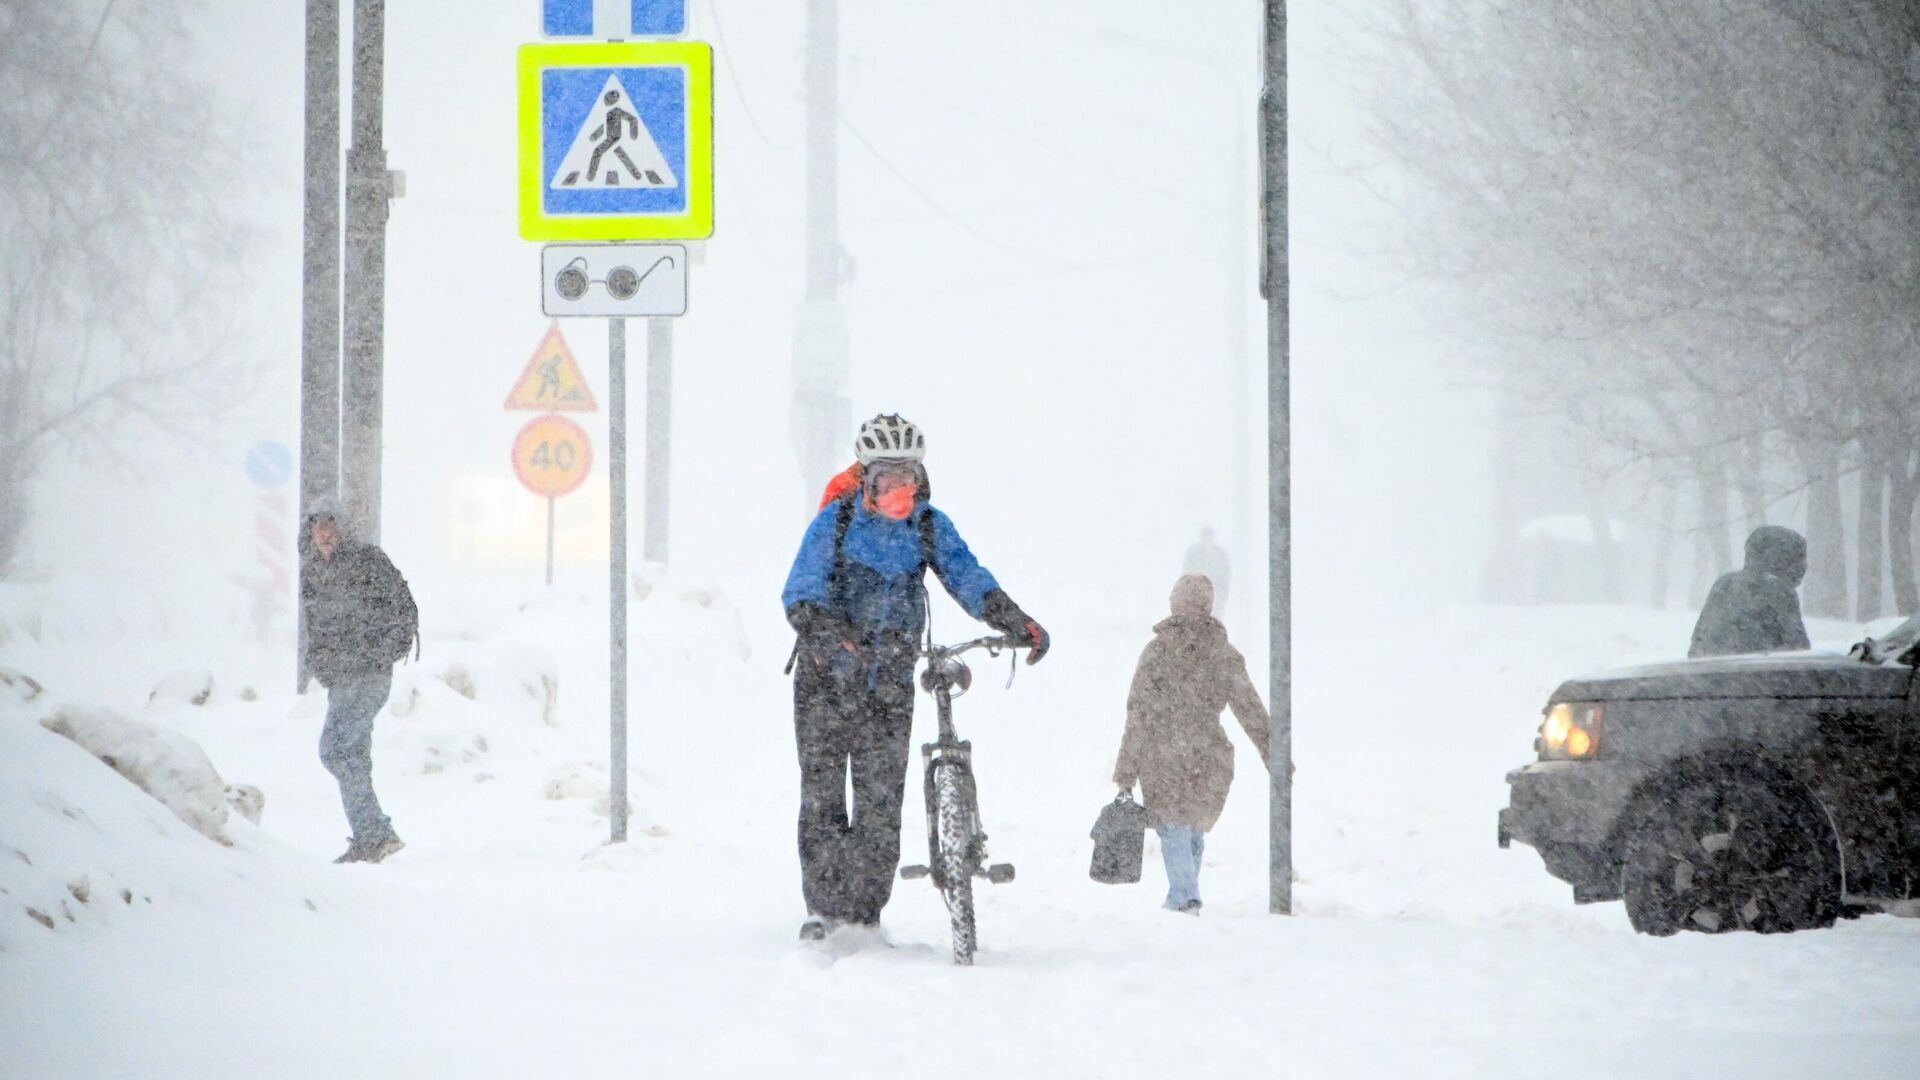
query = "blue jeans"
x=1180 y=846
x=346 y=749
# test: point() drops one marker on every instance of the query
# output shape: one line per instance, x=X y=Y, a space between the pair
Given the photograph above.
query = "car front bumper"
x=1568 y=811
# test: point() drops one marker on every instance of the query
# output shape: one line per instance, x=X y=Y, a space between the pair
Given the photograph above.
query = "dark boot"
x=380 y=849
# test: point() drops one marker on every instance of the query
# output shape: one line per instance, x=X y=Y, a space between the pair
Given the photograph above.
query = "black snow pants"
x=851 y=717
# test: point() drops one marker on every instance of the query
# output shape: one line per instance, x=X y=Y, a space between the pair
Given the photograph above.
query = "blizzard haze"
x=1545 y=375
x=1053 y=271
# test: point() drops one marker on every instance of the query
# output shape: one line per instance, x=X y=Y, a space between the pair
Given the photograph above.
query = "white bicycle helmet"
x=889 y=437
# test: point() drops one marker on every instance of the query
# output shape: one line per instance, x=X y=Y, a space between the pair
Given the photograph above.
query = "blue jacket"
x=880 y=584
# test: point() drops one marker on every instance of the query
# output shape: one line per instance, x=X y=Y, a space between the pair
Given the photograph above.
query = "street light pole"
x=822 y=413
x=1274 y=284
x=320 y=279
x=369 y=188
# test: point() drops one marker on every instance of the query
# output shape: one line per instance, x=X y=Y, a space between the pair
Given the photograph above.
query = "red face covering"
x=894 y=495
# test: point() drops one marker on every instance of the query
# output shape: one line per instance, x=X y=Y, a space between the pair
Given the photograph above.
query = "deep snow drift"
x=507 y=941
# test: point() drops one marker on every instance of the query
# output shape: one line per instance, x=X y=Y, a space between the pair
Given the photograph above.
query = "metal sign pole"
x=617 y=572
x=1275 y=284
x=653 y=540
x=549 y=541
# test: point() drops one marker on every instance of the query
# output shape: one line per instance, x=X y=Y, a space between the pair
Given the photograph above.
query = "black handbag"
x=1119 y=841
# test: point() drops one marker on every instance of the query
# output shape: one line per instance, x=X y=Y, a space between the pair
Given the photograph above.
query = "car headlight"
x=1570 y=732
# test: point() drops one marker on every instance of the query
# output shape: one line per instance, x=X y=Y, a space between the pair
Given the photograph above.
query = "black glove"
x=1000 y=612
x=820 y=630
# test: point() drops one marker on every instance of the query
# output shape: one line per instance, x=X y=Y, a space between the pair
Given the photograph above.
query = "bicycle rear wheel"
x=957 y=858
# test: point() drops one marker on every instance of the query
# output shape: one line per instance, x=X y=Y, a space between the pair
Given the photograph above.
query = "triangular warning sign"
x=552 y=381
x=614 y=149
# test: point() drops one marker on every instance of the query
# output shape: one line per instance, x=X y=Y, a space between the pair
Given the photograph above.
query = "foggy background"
x=1051 y=208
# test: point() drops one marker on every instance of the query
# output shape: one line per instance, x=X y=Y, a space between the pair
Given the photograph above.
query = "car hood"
x=1771 y=675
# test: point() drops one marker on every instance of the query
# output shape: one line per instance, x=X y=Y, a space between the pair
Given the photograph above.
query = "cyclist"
x=857 y=597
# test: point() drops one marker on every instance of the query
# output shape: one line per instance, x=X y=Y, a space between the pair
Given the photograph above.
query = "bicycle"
x=956 y=844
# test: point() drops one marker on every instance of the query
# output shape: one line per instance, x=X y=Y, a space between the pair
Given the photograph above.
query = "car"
x=1769 y=793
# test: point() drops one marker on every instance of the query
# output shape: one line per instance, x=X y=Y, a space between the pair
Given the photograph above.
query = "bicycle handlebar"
x=993 y=644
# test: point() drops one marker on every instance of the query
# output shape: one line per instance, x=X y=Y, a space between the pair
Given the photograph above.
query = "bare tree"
x=1693 y=223
x=120 y=238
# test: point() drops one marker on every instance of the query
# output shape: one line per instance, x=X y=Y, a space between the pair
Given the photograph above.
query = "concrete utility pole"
x=822 y=416
x=320 y=278
x=1274 y=285
x=653 y=541
x=617 y=579
x=369 y=187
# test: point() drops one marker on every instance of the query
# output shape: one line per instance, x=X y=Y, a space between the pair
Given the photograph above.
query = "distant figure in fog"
x=1209 y=560
x=1174 y=745
x=361 y=620
x=1755 y=609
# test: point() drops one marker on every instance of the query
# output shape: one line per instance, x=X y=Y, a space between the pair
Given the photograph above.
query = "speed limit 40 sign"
x=551 y=456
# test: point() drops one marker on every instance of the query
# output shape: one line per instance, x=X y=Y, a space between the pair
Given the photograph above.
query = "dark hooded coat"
x=1174 y=744
x=1755 y=609
x=360 y=614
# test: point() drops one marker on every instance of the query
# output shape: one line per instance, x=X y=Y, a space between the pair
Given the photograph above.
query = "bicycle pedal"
x=913 y=873
x=999 y=873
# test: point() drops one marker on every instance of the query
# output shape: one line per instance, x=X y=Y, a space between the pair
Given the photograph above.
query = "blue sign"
x=650 y=18
x=616 y=141
x=269 y=464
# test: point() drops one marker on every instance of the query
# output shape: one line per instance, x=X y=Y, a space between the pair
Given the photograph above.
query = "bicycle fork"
x=951 y=752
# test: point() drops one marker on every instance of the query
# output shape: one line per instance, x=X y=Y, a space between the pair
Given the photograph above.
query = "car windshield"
x=1896 y=641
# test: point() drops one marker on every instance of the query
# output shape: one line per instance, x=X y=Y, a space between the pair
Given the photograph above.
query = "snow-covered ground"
x=507 y=941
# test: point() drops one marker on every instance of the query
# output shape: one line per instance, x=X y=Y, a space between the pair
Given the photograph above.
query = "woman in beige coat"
x=1174 y=744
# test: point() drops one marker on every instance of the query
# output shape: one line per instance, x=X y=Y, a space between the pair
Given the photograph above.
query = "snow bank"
x=163 y=763
x=80 y=846
x=22 y=686
x=515 y=677
x=191 y=686
x=686 y=620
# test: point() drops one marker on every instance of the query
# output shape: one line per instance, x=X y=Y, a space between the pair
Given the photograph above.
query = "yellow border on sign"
x=696 y=222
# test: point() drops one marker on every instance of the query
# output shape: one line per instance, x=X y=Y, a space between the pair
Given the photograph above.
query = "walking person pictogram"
x=618 y=123
x=613 y=147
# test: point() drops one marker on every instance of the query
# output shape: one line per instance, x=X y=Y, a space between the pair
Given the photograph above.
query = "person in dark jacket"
x=1755 y=608
x=1174 y=747
x=857 y=597
x=360 y=621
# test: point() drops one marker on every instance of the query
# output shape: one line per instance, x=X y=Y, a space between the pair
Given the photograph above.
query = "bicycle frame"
x=948 y=751
x=944 y=673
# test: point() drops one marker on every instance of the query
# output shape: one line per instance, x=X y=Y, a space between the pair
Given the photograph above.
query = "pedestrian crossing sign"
x=616 y=141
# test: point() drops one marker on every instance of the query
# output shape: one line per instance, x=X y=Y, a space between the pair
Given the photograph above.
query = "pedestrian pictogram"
x=551 y=456
x=552 y=381
x=616 y=141
x=614 y=148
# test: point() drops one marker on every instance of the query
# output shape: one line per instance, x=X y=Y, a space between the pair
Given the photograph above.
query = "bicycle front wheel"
x=953 y=811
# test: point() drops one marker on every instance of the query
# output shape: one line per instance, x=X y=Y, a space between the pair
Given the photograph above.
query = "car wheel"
x=1715 y=857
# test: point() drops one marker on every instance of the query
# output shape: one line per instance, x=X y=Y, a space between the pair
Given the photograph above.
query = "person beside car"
x=1756 y=608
